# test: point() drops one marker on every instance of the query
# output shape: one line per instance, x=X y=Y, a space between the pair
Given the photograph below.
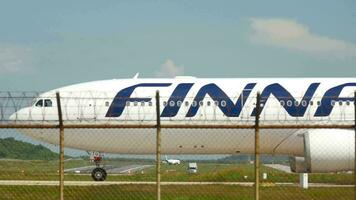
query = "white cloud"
x=169 y=69
x=293 y=35
x=14 y=59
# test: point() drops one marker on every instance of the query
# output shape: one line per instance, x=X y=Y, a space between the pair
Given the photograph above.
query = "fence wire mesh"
x=306 y=150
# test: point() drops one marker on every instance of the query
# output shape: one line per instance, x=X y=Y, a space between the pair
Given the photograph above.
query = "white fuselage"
x=192 y=101
x=173 y=161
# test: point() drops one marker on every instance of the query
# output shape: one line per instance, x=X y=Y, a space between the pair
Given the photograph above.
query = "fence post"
x=257 y=146
x=158 y=147
x=355 y=145
x=61 y=148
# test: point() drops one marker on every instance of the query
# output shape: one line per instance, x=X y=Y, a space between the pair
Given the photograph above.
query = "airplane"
x=172 y=161
x=195 y=101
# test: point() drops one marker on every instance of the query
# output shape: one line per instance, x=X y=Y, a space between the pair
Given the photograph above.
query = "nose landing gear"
x=98 y=173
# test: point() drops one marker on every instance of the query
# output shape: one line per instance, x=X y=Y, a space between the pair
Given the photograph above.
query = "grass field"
x=208 y=172
x=48 y=170
x=145 y=192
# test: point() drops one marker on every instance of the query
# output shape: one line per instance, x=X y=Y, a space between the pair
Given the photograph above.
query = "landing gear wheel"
x=98 y=174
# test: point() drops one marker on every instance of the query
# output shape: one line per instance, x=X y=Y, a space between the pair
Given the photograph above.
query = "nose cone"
x=13 y=117
x=20 y=115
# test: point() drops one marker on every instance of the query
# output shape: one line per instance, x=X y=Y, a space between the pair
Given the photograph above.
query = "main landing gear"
x=98 y=173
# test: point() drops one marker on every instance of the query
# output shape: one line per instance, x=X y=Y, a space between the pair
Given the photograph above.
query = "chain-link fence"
x=195 y=149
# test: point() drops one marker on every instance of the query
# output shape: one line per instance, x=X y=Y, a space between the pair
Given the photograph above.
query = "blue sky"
x=47 y=44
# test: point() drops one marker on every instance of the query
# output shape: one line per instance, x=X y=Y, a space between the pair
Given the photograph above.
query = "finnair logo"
x=224 y=102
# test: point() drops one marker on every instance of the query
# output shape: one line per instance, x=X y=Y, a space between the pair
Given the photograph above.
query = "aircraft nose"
x=26 y=114
x=13 y=116
x=18 y=115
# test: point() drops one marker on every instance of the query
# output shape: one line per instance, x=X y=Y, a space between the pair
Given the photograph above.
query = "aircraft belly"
x=174 y=141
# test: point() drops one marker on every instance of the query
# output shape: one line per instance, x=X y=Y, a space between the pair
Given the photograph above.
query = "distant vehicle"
x=172 y=161
x=192 y=168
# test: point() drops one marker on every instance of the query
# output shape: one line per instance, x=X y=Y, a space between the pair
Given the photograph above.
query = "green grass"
x=212 y=172
x=147 y=192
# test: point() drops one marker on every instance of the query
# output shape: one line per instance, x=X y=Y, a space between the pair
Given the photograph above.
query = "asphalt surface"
x=109 y=169
x=127 y=169
x=279 y=167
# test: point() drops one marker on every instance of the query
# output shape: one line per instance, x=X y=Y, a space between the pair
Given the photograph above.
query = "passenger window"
x=332 y=103
x=311 y=103
x=48 y=103
x=39 y=103
x=223 y=103
x=187 y=103
x=142 y=103
x=201 y=103
x=208 y=103
x=164 y=103
x=282 y=103
x=179 y=103
x=304 y=103
x=127 y=103
x=107 y=104
x=171 y=103
x=135 y=103
x=150 y=103
x=194 y=103
x=340 y=103
x=289 y=103
x=348 y=103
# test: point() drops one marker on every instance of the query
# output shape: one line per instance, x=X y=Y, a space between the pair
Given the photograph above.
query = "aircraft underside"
x=175 y=141
x=314 y=150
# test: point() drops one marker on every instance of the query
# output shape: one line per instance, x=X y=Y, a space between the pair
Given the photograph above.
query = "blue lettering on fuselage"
x=282 y=95
x=226 y=105
x=223 y=101
x=330 y=95
x=178 y=95
x=118 y=105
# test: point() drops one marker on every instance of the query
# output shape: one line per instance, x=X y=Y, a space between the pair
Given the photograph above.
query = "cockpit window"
x=39 y=103
x=48 y=103
x=44 y=103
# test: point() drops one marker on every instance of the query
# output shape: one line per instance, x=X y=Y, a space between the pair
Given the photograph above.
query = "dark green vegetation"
x=146 y=192
x=14 y=149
